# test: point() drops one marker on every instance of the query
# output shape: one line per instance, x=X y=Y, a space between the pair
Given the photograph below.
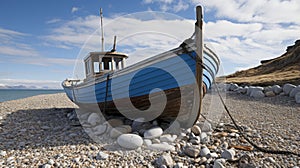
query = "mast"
x=102 y=33
x=199 y=53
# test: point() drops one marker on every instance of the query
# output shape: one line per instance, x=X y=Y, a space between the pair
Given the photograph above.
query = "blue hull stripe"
x=167 y=74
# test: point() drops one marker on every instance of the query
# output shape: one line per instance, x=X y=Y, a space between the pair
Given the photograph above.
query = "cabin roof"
x=106 y=54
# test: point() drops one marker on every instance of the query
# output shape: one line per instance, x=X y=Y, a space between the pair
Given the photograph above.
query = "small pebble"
x=153 y=133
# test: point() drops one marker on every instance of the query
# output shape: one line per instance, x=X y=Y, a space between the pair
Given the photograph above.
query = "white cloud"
x=29 y=83
x=53 y=21
x=74 y=9
x=131 y=32
x=42 y=61
x=17 y=51
x=180 y=6
x=264 y=11
x=11 y=45
x=10 y=33
x=224 y=28
x=169 y=5
x=246 y=33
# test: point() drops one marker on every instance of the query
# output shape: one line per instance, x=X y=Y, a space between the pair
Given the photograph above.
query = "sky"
x=43 y=42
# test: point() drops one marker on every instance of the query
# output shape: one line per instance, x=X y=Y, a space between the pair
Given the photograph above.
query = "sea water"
x=13 y=94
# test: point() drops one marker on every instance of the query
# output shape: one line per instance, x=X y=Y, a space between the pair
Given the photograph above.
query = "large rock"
x=233 y=86
x=294 y=91
x=268 y=89
x=204 y=152
x=192 y=151
x=297 y=97
x=116 y=132
x=257 y=94
x=243 y=90
x=270 y=94
x=153 y=133
x=276 y=89
x=100 y=129
x=254 y=89
x=140 y=124
x=218 y=163
x=130 y=141
x=228 y=154
x=287 y=88
x=94 y=119
x=165 y=159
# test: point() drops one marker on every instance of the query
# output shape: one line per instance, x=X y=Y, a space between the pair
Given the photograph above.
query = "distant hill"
x=280 y=70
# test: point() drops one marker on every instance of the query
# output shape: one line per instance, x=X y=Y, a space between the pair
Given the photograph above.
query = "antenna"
x=114 y=46
x=102 y=33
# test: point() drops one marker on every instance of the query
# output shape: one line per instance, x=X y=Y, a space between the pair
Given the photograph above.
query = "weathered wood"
x=199 y=52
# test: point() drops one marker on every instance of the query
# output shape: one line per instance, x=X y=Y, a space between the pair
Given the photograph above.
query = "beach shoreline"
x=36 y=130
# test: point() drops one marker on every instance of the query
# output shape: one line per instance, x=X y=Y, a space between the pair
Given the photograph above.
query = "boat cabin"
x=99 y=63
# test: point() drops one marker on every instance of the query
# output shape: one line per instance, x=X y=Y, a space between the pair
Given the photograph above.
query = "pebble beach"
x=41 y=131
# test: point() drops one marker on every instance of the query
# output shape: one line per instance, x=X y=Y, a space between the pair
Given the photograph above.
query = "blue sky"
x=41 y=40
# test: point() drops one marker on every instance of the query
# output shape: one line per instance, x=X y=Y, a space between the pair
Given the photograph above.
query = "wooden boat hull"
x=162 y=87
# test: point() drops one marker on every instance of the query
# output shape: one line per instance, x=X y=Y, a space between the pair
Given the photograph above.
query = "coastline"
x=7 y=94
x=35 y=131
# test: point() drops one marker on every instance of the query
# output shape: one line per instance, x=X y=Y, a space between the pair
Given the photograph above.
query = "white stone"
x=294 y=91
x=161 y=147
x=297 y=97
x=51 y=162
x=212 y=155
x=238 y=89
x=243 y=90
x=276 y=89
x=206 y=127
x=168 y=138
x=165 y=159
x=249 y=90
x=94 y=119
x=287 y=88
x=3 y=153
x=228 y=154
x=204 y=152
x=254 y=89
x=204 y=138
x=100 y=129
x=153 y=133
x=130 y=141
x=155 y=141
x=233 y=86
x=257 y=94
x=147 y=142
x=218 y=164
x=227 y=86
x=46 y=166
x=116 y=132
x=178 y=165
x=102 y=156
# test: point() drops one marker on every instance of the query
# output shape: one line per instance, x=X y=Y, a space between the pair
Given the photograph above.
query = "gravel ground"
x=36 y=132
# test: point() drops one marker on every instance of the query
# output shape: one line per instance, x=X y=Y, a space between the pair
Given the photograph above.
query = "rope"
x=183 y=45
x=246 y=138
x=106 y=93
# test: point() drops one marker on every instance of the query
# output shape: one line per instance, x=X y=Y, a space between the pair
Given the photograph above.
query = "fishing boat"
x=168 y=86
